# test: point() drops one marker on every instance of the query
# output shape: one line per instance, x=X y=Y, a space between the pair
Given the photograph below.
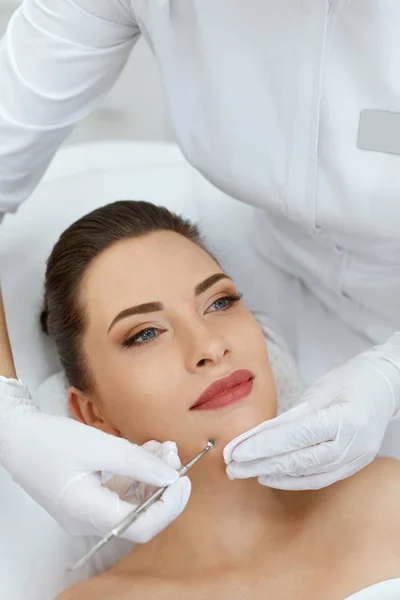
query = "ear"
x=87 y=410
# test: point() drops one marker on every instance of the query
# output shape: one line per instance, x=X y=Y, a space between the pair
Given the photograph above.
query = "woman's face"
x=160 y=330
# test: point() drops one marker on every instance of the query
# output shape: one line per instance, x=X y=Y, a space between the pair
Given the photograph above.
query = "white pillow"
x=28 y=237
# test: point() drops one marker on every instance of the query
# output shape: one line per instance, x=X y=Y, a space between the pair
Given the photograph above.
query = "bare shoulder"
x=370 y=499
x=77 y=592
x=107 y=586
x=118 y=586
x=381 y=477
x=89 y=589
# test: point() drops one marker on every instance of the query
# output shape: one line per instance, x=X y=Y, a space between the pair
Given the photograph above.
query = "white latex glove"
x=58 y=461
x=133 y=491
x=336 y=430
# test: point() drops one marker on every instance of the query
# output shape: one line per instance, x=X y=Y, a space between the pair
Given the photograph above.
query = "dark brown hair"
x=63 y=315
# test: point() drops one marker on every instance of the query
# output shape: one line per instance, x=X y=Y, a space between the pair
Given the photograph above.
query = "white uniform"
x=265 y=98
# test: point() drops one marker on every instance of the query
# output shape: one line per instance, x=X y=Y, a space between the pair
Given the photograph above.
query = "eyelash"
x=132 y=341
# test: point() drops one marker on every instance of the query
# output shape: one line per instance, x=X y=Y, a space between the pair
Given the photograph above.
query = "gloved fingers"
x=166 y=451
x=291 y=416
x=171 y=458
x=310 y=482
x=344 y=452
x=317 y=481
x=94 y=509
x=133 y=491
x=155 y=446
x=151 y=446
x=161 y=514
x=315 y=428
x=73 y=527
x=295 y=464
x=105 y=452
x=353 y=442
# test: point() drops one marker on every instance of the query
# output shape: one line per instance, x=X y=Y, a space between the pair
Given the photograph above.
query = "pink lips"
x=226 y=391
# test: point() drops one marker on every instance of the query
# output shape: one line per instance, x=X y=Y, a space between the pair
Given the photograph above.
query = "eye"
x=143 y=337
x=224 y=303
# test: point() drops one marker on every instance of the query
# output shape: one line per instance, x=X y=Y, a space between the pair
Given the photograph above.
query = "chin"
x=225 y=430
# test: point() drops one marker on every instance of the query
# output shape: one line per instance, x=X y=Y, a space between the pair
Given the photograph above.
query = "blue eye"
x=220 y=304
x=149 y=334
x=224 y=303
x=143 y=337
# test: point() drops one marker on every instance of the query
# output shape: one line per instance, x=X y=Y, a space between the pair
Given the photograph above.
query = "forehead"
x=152 y=267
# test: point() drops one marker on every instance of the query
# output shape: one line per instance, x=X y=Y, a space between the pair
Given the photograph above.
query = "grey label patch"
x=379 y=130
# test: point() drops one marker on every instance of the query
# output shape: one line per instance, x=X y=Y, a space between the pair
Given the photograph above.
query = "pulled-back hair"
x=63 y=315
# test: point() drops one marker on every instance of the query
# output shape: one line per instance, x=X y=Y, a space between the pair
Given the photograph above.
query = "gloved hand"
x=58 y=461
x=134 y=491
x=337 y=428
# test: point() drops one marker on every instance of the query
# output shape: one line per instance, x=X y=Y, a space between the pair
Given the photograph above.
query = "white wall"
x=134 y=109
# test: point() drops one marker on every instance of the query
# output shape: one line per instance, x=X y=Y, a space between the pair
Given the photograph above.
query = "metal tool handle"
x=131 y=518
x=136 y=512
x=121 y=527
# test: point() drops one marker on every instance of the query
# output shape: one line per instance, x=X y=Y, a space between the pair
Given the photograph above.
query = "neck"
x=225 y=523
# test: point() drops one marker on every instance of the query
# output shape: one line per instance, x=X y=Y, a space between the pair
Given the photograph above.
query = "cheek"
x=140 y=397
x=256 y=351
x=248 y=339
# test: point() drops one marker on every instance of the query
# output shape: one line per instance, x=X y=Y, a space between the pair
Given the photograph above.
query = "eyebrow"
x=149 y=307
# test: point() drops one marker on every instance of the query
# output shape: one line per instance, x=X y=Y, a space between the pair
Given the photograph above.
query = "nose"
x=205 y=347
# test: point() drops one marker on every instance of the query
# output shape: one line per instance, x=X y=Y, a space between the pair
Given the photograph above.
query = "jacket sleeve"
x=58 y=59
